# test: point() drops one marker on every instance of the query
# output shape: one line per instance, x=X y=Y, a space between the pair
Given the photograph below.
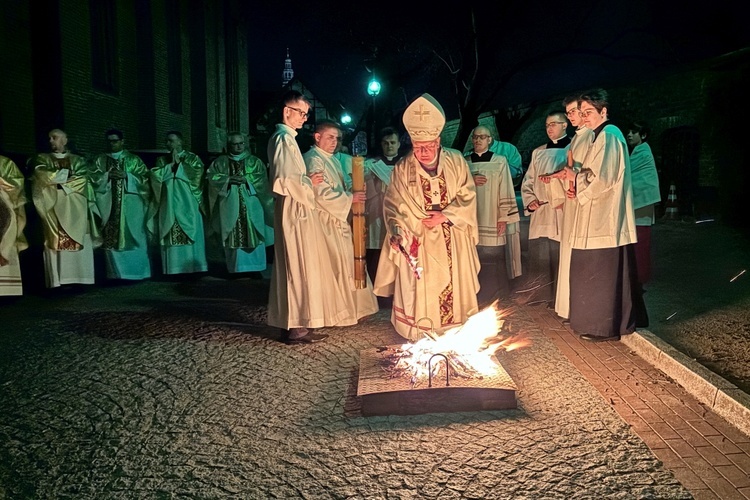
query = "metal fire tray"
x=381 y=395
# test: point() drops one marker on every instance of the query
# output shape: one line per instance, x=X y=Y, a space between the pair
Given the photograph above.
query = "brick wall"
x=17 y=135
x=90 y=112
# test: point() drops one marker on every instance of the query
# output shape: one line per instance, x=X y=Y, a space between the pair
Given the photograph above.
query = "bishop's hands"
x=501 y=227
x=396 y=241
x=434 y=219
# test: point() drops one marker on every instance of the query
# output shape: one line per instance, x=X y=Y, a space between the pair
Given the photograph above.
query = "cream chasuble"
x=12 y=223
x=123 y=204
x=446 y=294
x=241 y=214
x=64 y=198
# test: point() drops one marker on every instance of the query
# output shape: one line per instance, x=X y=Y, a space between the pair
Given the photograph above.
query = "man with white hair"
x=429 y=262
x=497 y=215
x=241 y=206
x=64 y=198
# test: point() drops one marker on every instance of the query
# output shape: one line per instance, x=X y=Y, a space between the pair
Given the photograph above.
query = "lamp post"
x=373 y=88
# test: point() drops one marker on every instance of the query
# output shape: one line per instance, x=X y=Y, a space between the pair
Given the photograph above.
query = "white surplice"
x=334 y=201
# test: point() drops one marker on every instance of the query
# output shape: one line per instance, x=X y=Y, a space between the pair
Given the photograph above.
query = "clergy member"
x=123 y=194
x=429 y=262
x=646 y=195
x=177 y=185
x=578 y=147
x=334 y=198
x=497 y=215
x=377 y=176
x=543 y=203
x=241 y=206
x=64 y=199
x=605 y=299
x=12 y=222
x=302 y=272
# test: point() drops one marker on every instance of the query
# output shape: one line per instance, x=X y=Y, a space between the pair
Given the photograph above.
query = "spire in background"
x=288 y=73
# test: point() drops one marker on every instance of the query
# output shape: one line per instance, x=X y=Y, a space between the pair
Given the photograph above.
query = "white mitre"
x=424 y=118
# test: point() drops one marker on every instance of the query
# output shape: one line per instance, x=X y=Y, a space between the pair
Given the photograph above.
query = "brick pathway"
x=707 y=455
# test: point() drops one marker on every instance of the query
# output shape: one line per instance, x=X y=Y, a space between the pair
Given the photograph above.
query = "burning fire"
x=469 y=349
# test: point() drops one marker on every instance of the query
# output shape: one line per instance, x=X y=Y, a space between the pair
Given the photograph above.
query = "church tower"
x=288 y=73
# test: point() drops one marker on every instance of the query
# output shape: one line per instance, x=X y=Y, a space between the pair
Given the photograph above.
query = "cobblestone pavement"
x=164 y=389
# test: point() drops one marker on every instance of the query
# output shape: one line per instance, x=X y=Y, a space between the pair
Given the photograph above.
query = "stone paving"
x=166 y=389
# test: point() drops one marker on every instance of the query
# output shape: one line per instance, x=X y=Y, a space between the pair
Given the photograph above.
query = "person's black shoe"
x=310 y=338
x=596 y=338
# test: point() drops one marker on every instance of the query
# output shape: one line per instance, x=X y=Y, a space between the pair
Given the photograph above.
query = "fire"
x=469 y=349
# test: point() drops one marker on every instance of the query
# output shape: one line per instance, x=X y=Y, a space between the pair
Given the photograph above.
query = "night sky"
x=538 y=49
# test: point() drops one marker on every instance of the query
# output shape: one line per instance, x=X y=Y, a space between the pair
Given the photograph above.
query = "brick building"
x=144 y=66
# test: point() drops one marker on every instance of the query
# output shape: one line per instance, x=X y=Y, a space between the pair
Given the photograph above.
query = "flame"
x=469 y=348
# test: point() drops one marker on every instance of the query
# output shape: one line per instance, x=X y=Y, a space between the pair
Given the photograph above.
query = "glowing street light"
x=373 y=88
x=346 y=119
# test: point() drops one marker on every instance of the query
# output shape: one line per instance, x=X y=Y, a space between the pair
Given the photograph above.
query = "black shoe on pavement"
x=596 y=338
x=310 y=338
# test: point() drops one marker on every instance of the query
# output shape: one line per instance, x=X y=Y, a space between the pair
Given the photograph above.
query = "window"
x=104 y=61
x=174 y=55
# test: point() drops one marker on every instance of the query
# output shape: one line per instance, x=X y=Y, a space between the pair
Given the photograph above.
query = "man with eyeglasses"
x=64 y=198
x=498 y=217
x=123 y=194
x=333 y=199
x=430 y=263
x=177 y=182
x=605 y=297
x=543 y=204
x=578 y=148
x=240 y=207
x=302 y=271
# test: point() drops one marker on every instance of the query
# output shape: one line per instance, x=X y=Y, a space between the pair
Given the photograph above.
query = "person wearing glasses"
x=333 y=199
x=12 y=223
x=302 y=271
x=646 y=195
x=543 y=203
x=64 y=197
x=578 y=148
x=605 y=298
x=177 y=182
x=497 y=215
x=240 y=207
x=123 y=194
x=429 y=261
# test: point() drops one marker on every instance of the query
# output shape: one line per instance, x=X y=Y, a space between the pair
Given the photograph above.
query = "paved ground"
x=164 y=389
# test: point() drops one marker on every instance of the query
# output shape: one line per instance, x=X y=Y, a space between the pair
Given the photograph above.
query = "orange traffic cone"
x=671 y=210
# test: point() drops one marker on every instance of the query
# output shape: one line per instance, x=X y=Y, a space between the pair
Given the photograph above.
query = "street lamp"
x=373 y=88
x=346 y=119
